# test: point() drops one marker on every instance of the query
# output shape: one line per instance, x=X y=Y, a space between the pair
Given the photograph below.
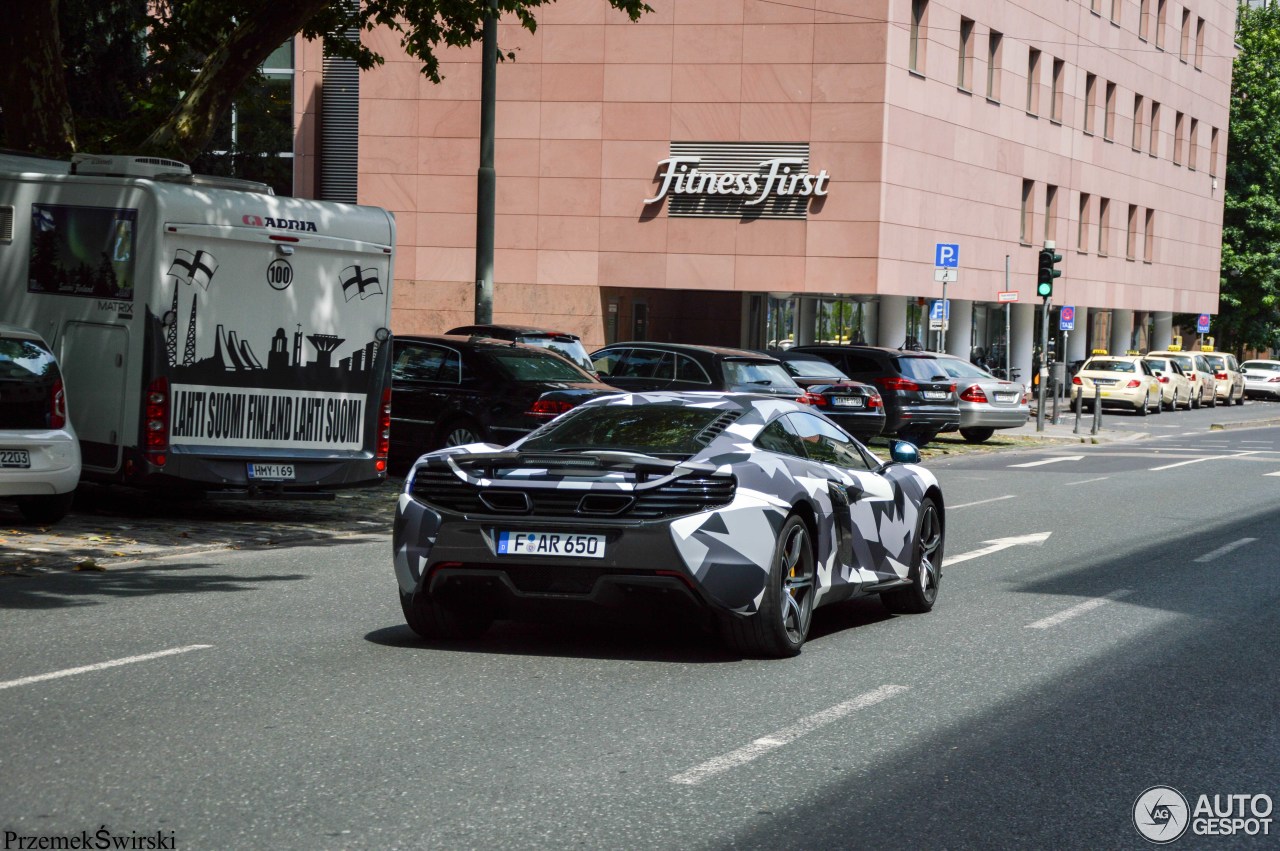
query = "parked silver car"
x=987 y=403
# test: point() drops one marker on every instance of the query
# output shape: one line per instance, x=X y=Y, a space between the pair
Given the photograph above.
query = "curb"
x=1274 y=421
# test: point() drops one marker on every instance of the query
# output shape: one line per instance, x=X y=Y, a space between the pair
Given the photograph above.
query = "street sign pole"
x=1008 y=306
x=942 y=332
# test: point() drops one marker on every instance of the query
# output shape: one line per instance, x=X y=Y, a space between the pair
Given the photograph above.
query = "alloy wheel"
x=797 y=578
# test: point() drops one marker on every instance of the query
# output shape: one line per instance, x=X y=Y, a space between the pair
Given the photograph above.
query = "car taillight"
x=1195 y=376
x=1075 y=379
x=155 y=421
x=973 y=393
x=815 y=399
x=57 y=405
x=874 y=400
x=891 y=383
x=1273 y=380
x=1221 y=376
x=1133 y=382
x=384 y=432
x=549 y=408
x=1164 y=379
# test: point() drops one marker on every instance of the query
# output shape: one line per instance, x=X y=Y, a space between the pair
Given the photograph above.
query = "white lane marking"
x=995 y=545
x=764 y=744
x=1198 y=460
x=1276 y=473
x=1076 y=611
x=980 y=502
x=1262 y=442
x=101 y=666
x=1053 y=460
x=1223 y=550
x=1086 y=481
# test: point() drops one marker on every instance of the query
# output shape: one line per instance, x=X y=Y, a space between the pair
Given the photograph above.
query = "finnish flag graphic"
x=359 y=281
x=197 y=268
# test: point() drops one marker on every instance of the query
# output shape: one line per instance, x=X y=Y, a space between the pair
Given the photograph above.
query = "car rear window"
x=527 y=366
x=662 y=429
x=1111 y=366
x=1157 y=363
x=812 y=368
x=963 y=369
x=755 y=375
x=565 y=346
x=1186 y=364
x=1216 y=361
x=1260 y=365
x=28 y=372
x=922 y=369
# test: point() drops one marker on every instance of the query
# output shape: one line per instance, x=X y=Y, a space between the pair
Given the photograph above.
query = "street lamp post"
x=486 y=177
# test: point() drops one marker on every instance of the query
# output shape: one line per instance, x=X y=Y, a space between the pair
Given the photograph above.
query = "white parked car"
x=39 y=453
x=1261 y=379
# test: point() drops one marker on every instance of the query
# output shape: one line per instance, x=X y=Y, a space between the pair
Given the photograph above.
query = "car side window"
x=451 y=368
x=605 y=362
x=854 y=364
x=417 y=363
x=688 y=369
x=778 y=437
x=644 y=363
x=824 y=442
x=1202 y=364
x=1146 y=368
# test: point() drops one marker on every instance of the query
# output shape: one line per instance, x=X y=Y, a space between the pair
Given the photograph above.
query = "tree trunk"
x=34 y=110
x=189 y=127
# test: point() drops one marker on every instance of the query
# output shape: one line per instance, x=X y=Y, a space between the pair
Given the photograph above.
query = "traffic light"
x=1046 y=273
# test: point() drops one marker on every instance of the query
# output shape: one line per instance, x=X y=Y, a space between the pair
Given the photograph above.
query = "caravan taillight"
x=155 y=421
x=384 y=432
x=57 y=405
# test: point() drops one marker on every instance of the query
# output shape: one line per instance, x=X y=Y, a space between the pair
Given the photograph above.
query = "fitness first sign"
x=738 y=180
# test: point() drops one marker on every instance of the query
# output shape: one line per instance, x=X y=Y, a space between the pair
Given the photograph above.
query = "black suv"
x=919 y=396
x=447 y=391
x=642 y=367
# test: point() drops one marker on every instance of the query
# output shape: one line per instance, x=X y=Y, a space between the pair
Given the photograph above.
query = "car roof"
x=689 y=348
x=702 y=398
x=464 y=341
x=20 y=331
x=512 y=329
x=863 y=350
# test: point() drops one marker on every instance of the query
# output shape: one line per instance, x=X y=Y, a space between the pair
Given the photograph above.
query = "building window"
x=1213 y=151
x=1161 y=19
x=1153 y=143
x=995 y=51
x=1139 y=123
x=1131 y=233
x=1199 y=43
x=1082 y=229
x=1104 y=226
x=1184 y=37
x=1033 y=81
x=1109 y=117
x=1051 y=213
x=1090 y=100
x=1193 y=142
x=964 y=71
x=1115 y=12
x=1055 y=95
x=1093 y=6
x=1144 y=18
x=1177 y=138
x=1149 y=236
x=1024 y=215
x=919 y=34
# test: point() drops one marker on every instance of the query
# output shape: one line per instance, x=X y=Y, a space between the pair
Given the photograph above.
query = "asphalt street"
x=1108 y=622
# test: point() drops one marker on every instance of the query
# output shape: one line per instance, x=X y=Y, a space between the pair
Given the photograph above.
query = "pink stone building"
x=990 y=125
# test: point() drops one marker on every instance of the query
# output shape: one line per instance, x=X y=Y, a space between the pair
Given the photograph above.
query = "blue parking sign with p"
x=946 y=255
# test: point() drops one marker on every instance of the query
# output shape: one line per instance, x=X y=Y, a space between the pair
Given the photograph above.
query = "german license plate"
x=1006 y=397
x=271 y=472
x=550 y=544
x=847 y=401
x=1104 y=381
x=15 y=458
x=936 y=394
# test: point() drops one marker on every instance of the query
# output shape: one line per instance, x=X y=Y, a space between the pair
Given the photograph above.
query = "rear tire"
x=1213 y=400
x=1198 y=401
x=779 y=628
x=976 y=435
x=926 y=573
x=1145 y=407
x=434 y=621
x=46 y=509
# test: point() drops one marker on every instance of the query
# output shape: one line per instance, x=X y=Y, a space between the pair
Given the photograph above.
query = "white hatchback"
x=39 y=453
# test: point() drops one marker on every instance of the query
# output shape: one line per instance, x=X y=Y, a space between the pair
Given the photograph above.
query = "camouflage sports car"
x=748 y=510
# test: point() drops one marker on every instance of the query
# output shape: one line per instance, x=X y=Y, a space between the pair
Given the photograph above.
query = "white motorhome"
x=212 y=335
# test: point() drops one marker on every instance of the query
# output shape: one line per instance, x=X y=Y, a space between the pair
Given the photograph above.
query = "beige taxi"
x=1174 y=384
x=1204 y=384
x=1119 y=381
x=1230 y=380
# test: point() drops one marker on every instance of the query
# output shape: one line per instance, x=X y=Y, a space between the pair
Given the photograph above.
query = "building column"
x=1121 y=331
x=892 y=325
x=1023 y=327
x=806 y=320
x=1163 y=336
x=960 y=328
x=1078 y=340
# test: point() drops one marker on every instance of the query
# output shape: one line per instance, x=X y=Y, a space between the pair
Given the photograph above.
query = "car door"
x=874 y=541
x=422 y=377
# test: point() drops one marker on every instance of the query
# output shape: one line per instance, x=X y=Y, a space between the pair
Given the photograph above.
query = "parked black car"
x=856 y=406
x=452 y=390
x=561 y=342
x=641 y=367
x=919 y=397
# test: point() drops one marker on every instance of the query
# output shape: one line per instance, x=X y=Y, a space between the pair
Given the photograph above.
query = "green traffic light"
x=1046 y=273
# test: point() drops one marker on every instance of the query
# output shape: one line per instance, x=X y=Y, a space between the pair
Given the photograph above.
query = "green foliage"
x=1250 y=288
